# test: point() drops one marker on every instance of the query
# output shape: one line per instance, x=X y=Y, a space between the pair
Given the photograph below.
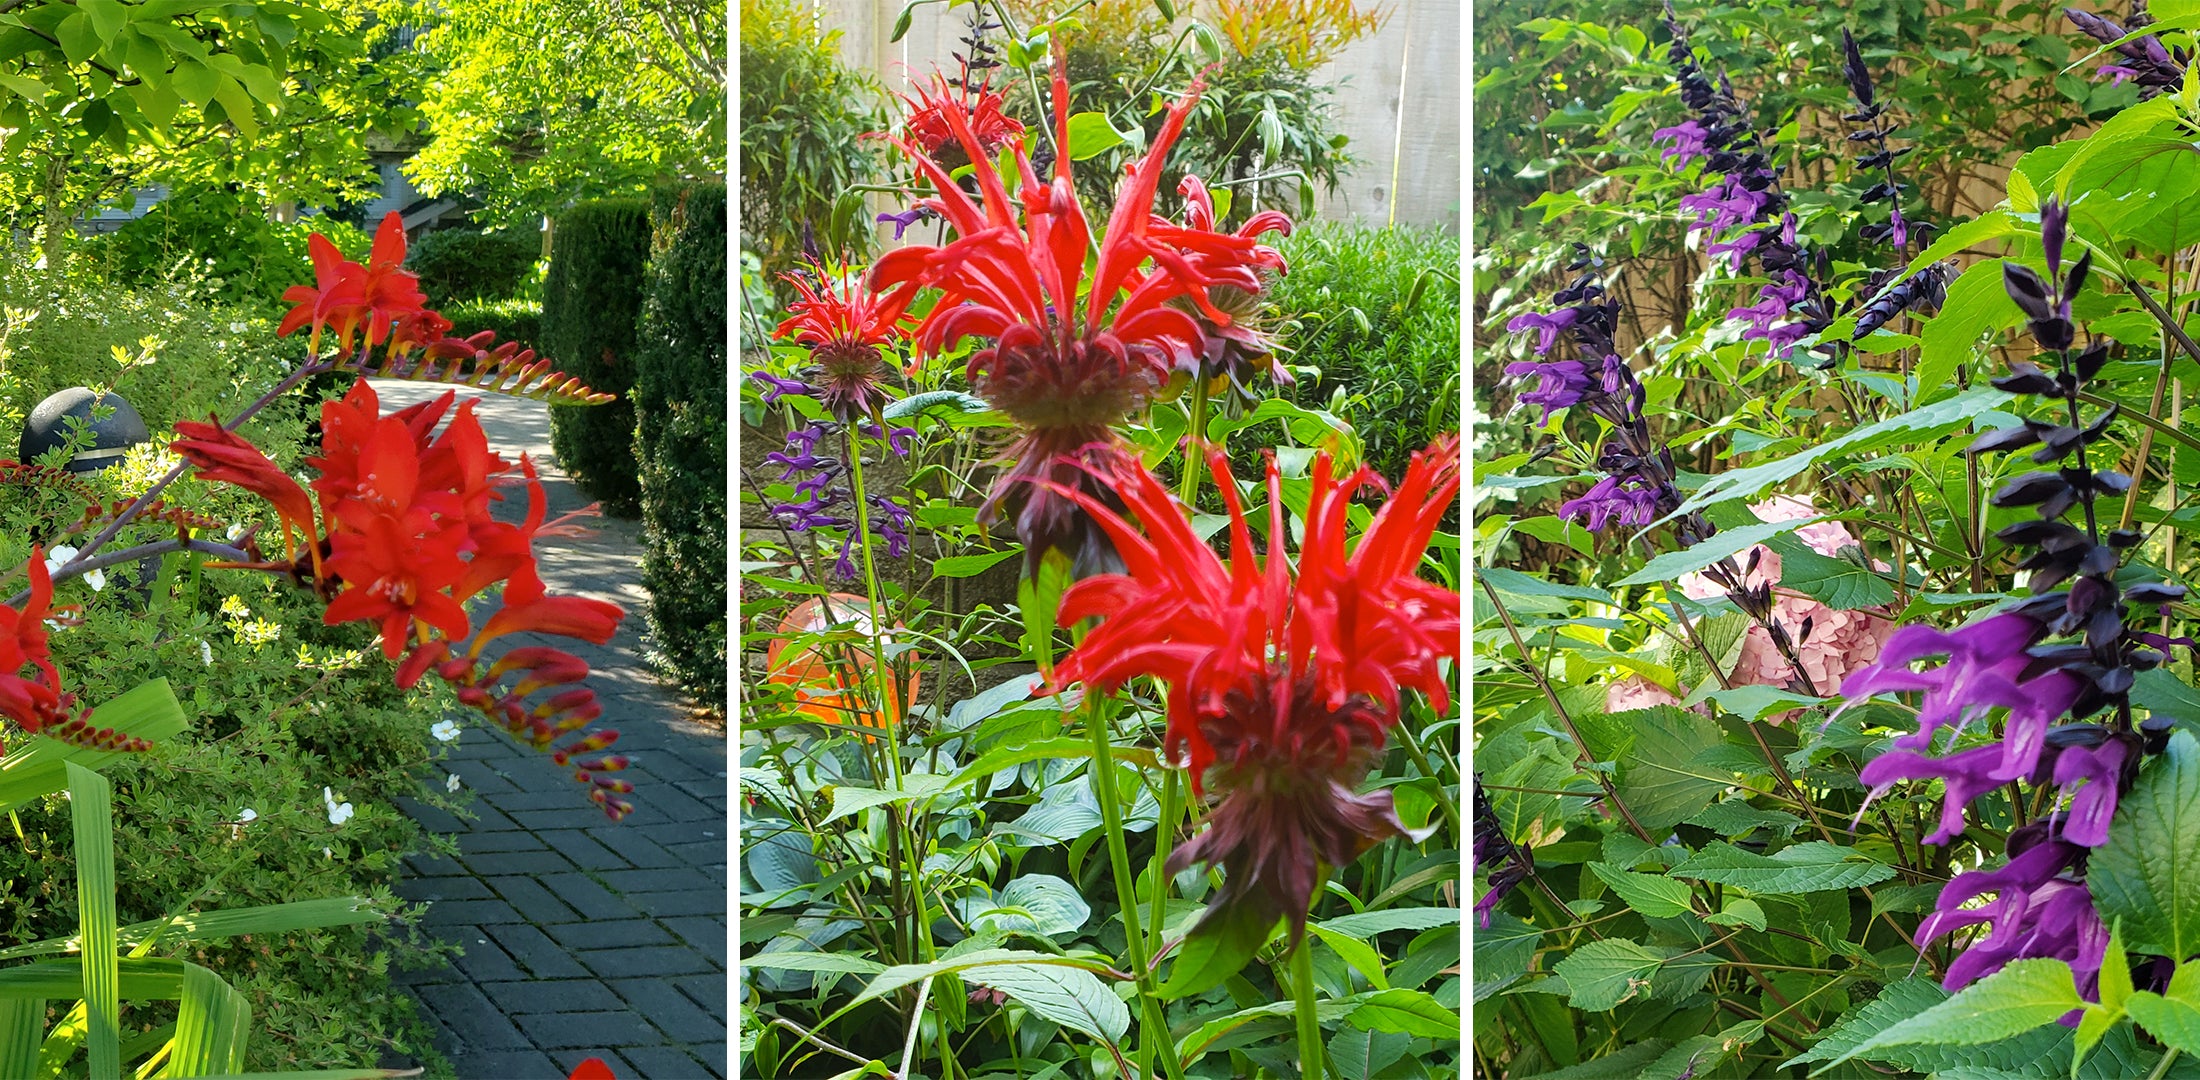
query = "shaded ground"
x=582 y=937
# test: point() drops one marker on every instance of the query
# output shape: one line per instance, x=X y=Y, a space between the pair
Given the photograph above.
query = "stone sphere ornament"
x=112 y=437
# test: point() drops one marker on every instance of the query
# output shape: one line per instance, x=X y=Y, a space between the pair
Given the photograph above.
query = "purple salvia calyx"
x=2143 y=61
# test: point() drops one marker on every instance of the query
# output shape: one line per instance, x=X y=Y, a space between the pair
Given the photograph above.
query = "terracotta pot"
x=827 y=688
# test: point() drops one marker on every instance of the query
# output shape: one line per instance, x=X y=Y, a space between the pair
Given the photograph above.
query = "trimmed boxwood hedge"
x=591 y=303
x=680 y=435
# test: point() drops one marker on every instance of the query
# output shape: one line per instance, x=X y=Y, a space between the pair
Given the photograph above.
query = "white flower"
x=236 y=531
x=247 y=816
x=445 y=731
x=327 y=854
x=236 y=328
x=452 y=783
x=97 y=579
x=58 y=556
x=206 y=653
x=338 y=813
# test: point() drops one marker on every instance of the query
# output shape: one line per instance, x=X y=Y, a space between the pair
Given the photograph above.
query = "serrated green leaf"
x=1662 y=777
x=1648 y=894
x=1814 y=866
x=2024 y=995
x=1739 y=911
x=1602 y=974
x=2172 y=1016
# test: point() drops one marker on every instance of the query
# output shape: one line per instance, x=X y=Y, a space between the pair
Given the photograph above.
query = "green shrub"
x=1376 y=313
x=60 y=330
x=512 y=320
x=803 y=117
x=280 y=706
x=461 y=264
x=680 y=436
x=590 y=303
x=219 y=243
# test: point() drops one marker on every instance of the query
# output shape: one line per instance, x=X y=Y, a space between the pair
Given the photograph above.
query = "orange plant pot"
x=825 y=688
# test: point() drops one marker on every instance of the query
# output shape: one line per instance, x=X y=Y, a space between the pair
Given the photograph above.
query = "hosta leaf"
x=2148 y=874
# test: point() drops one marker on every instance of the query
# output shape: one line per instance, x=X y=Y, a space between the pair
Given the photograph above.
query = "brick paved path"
x=582 y=937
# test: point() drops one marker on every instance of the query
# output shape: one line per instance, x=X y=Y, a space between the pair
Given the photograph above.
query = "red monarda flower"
x=1070 y=358
x=980 y=109
x=1281 y=684
x=843 y=323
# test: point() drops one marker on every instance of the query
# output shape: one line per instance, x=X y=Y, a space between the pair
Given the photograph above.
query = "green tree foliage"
x=680 y=436
x=803 y=117
x=535 y=104
x=464 y=264
x=219 y=238
x=591 y=302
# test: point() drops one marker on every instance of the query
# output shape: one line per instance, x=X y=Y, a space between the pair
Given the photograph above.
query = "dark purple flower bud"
x=2054 y=219
x=1852 y=66
x=2028 y=290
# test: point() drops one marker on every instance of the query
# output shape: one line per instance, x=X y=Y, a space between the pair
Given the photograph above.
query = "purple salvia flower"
x=1965 y=776
x=902 y=221
x=1689 y=142
x=1619 y=497
x=1547 y=327
x=776 y=387
x=1560 y=386
x=2035 y=913
x=2101 y=767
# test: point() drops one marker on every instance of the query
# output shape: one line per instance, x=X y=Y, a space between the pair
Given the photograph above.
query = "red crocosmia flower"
x=843 y=323
x=395 y=556
x=34 y=702
x=592 y=1069
x=224 y=455
x=527 y=604
x=1069 y=358
x=981 y=109
x=1282 y=683
x=347 y=297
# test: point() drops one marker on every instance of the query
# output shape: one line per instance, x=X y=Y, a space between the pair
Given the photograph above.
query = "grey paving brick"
x=442 y=888
x=585 y=895
x=713 y=1056
x=506 y=1065
x=552 y=995
x=481 y=776
x=558 y=798
x=420 y=865
x=705 y=934
x=665 y=1063
x=573 y=1030
x=584 y=850
x=483 y=960
x=472 y=1017
x=710 y=901
x=542 y=957
x=530 y=898
x=698 y=831
x=497 y=863
x=569 y=1059
x=670 y=879
x=486 y=843
x=635 y=848
x=643 y=962
x=700 y=853
x=709 y=991
x=665 y=1006
x=596 y=934
x=471 y=913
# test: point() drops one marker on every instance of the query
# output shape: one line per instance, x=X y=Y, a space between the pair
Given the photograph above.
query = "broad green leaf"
x=1930 y=421
x=1502 y=952
x=1728 y=542
x=1071 y=997
x=1834 y=582
x=1814 y=866
x=1362 y=956
x=900 y=975
x=1625 y=1063
x=1369 y=923
x=1976 y=305
x=1604 y=973
x=1406 y=1012
x=91 y=814
x=1739 y=911
x=2174 y=1015
x=848 y=799
x=1735 y=817
x=1090 y=134
x=1513 y=583
x=2020 y=997
x=1651 y=895
x=1224 y=1032
x=33 y=769
x=1219 y=946
x=1034 y=903
x=1362 y=1054
x=1664 y=778
x=848 y=963
x=1067 y=748
x=2148 y=874
x=962 y=566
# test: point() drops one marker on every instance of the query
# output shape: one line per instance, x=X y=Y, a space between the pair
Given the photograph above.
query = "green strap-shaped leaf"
x=91 y=811
x=22 y=1031
x=212 y=1027
x=212 y=925
x=34 y=769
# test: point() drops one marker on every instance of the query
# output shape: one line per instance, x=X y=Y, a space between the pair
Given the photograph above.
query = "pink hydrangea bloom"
x=1636 y=692
x=1840 y=642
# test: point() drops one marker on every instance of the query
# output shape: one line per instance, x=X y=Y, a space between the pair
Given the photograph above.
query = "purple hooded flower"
x=1965 y=775
x=1547 y=327
x=2035 y=913
x=776 y=387
x=902 y=221
x=1612 y=497
x=1688 y=140
x=2101 y=767
x=1561 y=383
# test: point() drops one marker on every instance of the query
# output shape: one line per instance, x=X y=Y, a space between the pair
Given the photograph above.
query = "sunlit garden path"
x=582 y=937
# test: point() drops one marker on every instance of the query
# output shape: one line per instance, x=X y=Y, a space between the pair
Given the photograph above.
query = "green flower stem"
x=889 y=732
x=1154 y=1031
x=1172 y=782
x=1302 y=996
x=2161 y=1068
